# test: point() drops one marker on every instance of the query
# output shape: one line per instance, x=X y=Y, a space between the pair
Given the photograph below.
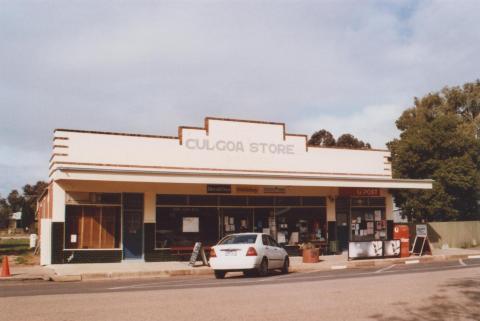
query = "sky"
x=150 y=66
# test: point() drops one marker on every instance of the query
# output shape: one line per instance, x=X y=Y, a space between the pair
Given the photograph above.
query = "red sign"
x=359 y=192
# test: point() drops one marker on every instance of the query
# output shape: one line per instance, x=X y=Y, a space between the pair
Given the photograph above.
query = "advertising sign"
x=421 y=230
x=391 y=248
x=219 y=189
x=359 y=192
x=365 y=249
x=274 y=190
x=238 y=146
x=190 y=225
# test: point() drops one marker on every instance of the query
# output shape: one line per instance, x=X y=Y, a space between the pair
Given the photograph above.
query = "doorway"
x=132 y=226
x=342 y=209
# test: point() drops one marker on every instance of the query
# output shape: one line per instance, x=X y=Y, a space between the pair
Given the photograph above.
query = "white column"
x=58 y=206
x=45 y=241
x=149 y=207
x=331 y=209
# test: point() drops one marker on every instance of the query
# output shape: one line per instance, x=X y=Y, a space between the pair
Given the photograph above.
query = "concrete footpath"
x=99 y=271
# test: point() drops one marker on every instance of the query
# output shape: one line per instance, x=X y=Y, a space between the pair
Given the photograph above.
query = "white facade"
x=225 y=151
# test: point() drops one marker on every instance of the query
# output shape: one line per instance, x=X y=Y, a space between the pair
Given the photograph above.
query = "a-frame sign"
x=421 y=244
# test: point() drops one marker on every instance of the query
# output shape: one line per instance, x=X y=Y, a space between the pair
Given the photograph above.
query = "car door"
x=277 y=253
x=268 y=250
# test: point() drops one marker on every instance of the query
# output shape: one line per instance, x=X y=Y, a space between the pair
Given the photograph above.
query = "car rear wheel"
x=286 y=264
x=219 y=274
x=249 y=273
x=263 y=268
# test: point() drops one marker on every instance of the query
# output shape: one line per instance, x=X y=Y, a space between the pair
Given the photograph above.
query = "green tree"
x=5 y=213
x=322 y=138
x=439 y=140
x=350 y=141
x=15 y=201
x=26 y=202
x=30 y=197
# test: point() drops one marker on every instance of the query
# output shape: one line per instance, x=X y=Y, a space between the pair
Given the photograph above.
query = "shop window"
x=233 y=200
x=287 y=201
x=237 y=220
x=180 y=227
x=203 y=200
x=133 y=201
x=260 y=201
x=300 y=225
x=172 y=200
x=314 y=201
x=92 y=198
x=368 y=225
x=109 y=198
x=376 y=201
x=368 y=201
x=264 y=220
x=359 y=201
x=92 y=227
x=342 y=204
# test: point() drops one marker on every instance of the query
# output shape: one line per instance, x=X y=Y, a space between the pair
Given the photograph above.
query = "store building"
x=118 y=196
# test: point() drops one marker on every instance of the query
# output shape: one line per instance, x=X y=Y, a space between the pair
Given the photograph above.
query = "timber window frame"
x=92 y=227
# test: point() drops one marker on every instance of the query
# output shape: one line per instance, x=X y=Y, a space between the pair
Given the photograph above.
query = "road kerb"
x=412 y=261
x=293 y=268
x=24 y=278
x=66 y=278
x=144 y=274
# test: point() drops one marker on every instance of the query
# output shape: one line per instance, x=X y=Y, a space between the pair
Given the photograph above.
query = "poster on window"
x=190 y=225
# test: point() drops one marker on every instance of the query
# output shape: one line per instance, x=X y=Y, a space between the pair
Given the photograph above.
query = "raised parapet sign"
x=198 y=249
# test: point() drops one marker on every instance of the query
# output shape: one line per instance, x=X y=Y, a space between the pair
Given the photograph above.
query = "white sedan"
x=251 y=253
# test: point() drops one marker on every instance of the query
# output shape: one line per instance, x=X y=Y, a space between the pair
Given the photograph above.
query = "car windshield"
x=239 y=239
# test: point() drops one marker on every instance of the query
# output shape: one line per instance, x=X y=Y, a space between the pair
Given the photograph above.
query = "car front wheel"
x=286 y=264
x=219 y=274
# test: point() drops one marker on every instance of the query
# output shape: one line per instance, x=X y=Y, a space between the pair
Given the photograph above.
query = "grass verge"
x=20 y=248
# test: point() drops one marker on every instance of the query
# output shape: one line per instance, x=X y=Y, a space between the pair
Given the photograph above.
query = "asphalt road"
x=447 y=290
x=9 y=289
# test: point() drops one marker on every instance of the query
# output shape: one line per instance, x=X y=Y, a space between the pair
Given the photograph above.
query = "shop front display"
x=181 y=221
x=367 y=219
x=369 y=235
x=92 y=221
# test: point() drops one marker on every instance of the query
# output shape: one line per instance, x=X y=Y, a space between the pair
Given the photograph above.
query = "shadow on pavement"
x=460 y=304
x=240 y=275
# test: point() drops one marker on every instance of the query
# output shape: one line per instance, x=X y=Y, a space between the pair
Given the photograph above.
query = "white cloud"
x=151 y=66
x=371 y=124
x=19 y=167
